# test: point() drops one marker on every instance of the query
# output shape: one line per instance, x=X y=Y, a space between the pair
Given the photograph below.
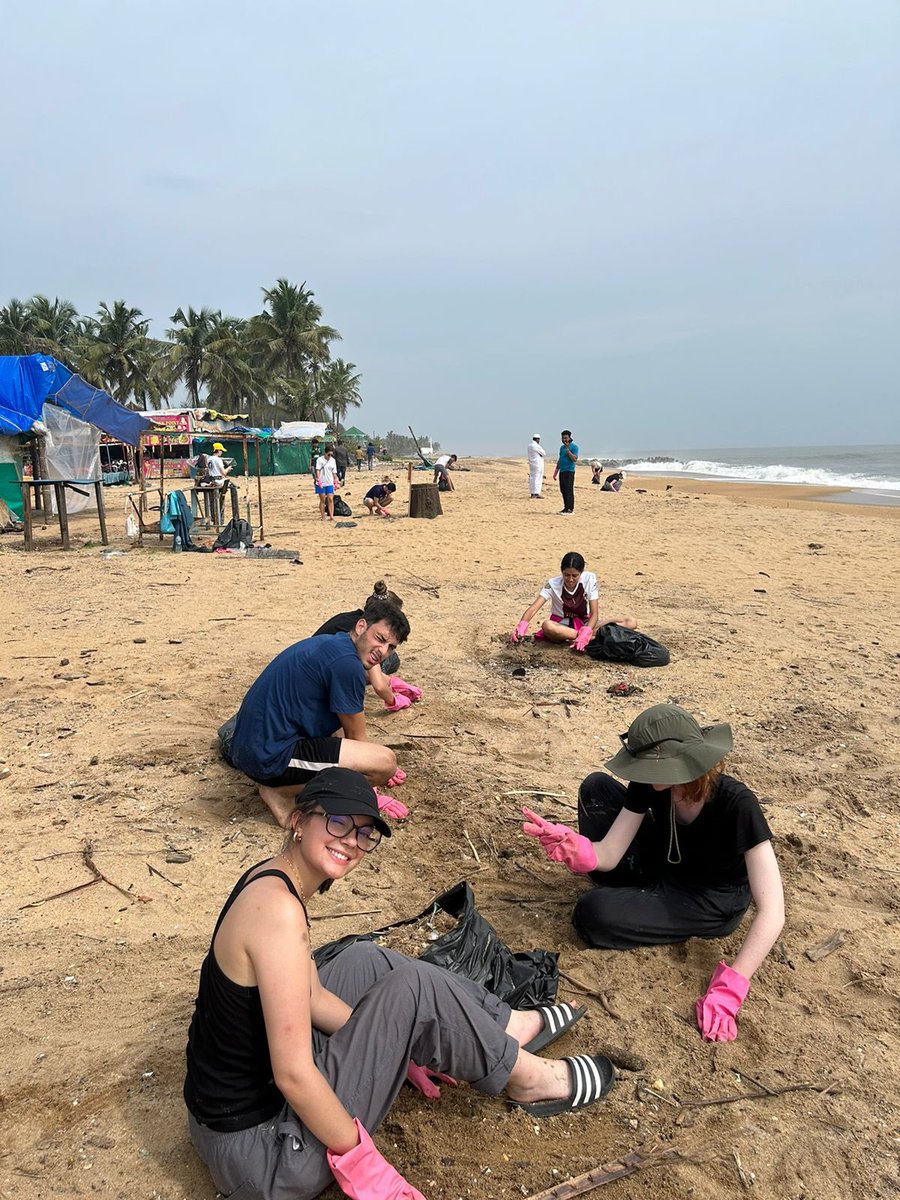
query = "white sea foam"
x=697 y=468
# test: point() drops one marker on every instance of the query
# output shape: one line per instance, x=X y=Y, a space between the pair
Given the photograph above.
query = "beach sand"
x=780 y=611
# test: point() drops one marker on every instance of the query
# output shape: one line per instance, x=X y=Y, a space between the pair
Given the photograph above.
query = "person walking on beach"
x=370 y=455
x=536 y=455
x=305 y=712
x=574 y=597
x=679 y=853
x=342 y=460
x=292 y=1067
x=360 y=456
x=565 y=470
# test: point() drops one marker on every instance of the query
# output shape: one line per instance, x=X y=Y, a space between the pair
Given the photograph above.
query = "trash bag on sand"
x=473 y=949
x=616 y=643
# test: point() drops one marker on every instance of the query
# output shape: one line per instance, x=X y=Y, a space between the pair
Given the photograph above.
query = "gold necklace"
x=303 y=899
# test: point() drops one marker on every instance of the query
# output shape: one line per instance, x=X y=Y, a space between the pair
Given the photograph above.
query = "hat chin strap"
x=673 y=834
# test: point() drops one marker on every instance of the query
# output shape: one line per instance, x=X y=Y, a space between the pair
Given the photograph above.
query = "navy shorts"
x=310 y=756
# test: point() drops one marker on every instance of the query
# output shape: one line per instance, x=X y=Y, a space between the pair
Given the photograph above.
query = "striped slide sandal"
x=557 y=1019
x=593 y=1076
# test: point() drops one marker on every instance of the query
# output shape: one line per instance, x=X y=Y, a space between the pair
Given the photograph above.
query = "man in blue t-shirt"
x=565 y=470
x=305 y=711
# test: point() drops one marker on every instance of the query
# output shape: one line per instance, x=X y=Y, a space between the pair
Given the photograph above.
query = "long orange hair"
x=700 y=790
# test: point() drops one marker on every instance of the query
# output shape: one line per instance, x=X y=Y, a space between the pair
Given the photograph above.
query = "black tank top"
x=229 y=1082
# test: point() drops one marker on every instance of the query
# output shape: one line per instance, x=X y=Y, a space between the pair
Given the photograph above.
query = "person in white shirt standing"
x=326 y=474
x=536 y=454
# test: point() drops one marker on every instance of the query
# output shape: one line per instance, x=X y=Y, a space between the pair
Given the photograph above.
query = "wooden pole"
x=62 y=512
x=262 y=533
x=101 y=511
x=26 y=514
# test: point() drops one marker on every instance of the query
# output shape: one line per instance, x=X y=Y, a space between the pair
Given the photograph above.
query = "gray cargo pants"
x=402 y=1009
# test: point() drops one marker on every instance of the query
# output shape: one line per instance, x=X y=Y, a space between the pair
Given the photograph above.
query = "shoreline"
x=758 y=492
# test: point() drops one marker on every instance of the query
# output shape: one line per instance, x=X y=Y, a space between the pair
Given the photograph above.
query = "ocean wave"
x=773 y=473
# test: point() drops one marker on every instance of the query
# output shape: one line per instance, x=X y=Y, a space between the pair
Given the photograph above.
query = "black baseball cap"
x=341 y=792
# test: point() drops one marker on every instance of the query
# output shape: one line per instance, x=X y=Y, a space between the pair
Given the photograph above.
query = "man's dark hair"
x=381 y=610
x=566 y=433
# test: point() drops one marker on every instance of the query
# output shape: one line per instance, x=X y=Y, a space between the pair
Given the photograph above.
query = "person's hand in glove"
x=401 y=688
x=582 y=637
x=392 y=807
x=364 y=1174
x=398 y=777
x=421 y=1079
x=399 y=702
x=519 y=632
x=561 y=844
x=718 y=1007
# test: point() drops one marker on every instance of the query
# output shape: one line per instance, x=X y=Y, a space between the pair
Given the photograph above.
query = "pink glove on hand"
x=398 y=777
x=584 y=635
x=363 y=1174
x=519 y=632
x=399 y=702
x=401 y=688
x=421 y=1077
x=392 y=807
x=561 y=844
x=717 y=1009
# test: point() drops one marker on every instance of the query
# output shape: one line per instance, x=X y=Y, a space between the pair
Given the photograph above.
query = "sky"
x=660 y=225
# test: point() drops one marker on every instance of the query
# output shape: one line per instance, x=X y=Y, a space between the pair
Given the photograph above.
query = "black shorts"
x=310 y=756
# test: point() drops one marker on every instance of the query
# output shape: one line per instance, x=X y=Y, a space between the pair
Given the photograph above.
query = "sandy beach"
x=125 y=832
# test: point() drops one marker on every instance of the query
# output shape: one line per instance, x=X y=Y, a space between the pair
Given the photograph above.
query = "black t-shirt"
x=341 y=623
x=713 y=845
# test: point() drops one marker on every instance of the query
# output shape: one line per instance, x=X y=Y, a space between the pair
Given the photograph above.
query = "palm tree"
x=287 y=339
x=119 y=356
x=57 y=328
x=338 y=387
x=233 y=385
x=17 y=329
x=187 y=352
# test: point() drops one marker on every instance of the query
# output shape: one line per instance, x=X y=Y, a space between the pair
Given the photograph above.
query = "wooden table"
x=59 y=487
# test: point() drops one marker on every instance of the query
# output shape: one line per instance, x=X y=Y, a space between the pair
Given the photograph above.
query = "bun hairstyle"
x=573 y=561
x=382 y=594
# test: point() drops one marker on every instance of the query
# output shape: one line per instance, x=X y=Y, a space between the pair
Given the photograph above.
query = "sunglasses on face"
x=367 y=836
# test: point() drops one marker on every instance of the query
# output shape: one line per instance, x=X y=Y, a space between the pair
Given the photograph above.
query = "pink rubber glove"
x=421 y=1077
x=363 y=1174
x=717 y=1009
x=402 y=688
x=561 y=844
x=391 y=807
x=519 y=632
x=584 y=635
x=398 y=777
x=399 y=702
x=384 y=512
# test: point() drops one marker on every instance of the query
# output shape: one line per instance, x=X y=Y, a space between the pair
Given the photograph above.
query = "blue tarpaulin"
x=27 y=381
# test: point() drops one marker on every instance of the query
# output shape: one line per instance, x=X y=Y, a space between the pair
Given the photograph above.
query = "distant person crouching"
x=613 y=483
x=378 y=497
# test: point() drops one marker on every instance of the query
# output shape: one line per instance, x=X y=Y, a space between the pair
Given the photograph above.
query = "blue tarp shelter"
x=27 y=381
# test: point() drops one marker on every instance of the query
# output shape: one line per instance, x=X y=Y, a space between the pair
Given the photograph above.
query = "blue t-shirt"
x=565 y=463
x=298 y=695
x=378 y=492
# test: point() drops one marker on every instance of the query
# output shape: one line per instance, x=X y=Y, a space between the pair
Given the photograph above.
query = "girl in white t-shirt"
x=574 y=597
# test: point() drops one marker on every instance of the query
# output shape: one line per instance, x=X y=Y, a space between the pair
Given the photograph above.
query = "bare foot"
x=280 y=805
x=526 y=1024
x=533 y=1079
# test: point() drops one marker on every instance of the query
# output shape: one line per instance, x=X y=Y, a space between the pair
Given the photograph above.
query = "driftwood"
x=823 y=949
x=628 y=1164
x=829 y=1090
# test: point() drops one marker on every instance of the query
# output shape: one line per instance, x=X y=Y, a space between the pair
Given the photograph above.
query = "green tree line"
x=275 y=365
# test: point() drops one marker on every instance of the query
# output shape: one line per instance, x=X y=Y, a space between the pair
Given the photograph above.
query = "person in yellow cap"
x=216 y=469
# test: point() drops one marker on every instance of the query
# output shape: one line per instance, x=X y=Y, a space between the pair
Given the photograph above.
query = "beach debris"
x=624 y=689
x=828 y=946
x=761 y=591
x=139 y=641
x=5 y=772
x=641 y=491
x=597 y=1177
x=518 y=672
x=177 y=856
x=815 y=545
x=345 y=524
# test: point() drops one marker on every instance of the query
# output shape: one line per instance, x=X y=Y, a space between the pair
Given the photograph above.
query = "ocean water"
x=870 y=471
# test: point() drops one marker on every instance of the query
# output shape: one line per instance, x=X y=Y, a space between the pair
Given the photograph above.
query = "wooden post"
x=26 y=514
x=425 y=500
x=262 y=534
x=101 y=511
x=62 y=512
x=409 y=473
x=162 y=485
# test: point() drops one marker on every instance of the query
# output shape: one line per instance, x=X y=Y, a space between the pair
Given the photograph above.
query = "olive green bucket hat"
x=665 y=745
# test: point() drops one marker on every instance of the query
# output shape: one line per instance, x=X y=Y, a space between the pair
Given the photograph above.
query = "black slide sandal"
x=557 y=1019
x=593 y=1076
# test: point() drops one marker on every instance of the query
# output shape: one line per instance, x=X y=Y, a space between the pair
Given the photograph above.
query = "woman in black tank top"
x=290 y=1069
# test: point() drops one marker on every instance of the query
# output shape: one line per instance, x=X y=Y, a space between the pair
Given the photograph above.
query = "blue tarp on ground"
x=27 y=381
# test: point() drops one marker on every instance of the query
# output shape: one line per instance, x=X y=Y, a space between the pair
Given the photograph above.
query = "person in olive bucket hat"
x=679 y=853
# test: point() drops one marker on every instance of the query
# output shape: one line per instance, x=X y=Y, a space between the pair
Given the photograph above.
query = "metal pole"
x=262 y=532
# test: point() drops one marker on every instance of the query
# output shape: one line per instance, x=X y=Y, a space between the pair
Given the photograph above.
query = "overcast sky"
x=662 y=224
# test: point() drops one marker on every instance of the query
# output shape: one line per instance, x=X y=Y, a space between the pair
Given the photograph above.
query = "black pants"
x=635 y=904
x=567 y=489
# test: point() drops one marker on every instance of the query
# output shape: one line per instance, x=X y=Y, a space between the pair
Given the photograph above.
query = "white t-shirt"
x=536 y=453
x=215 y=467
x=442 y=461
x=553 y=590
x=326 y=471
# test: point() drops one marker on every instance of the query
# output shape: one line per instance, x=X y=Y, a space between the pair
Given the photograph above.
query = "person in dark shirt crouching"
x=679 y=853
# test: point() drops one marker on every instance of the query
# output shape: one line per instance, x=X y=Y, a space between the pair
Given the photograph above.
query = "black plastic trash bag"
x=615 y=643
x=474 y=950
x=342 y=508
x=226 y=733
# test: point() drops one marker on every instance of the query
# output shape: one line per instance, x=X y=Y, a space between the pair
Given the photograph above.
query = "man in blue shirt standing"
x=305 y=711
x=565 y=470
